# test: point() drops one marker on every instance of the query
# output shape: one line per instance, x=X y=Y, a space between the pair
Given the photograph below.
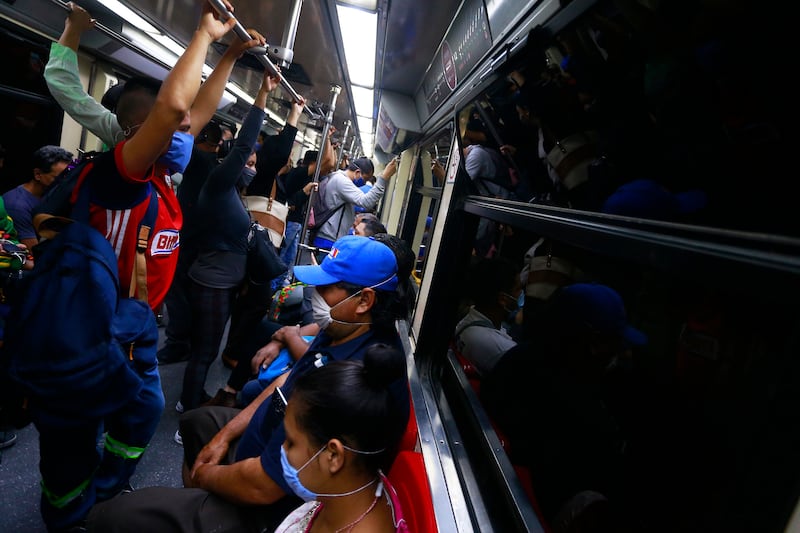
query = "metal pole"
x=241 y=32
x=335 y=90
x=341 y=148
x=285 y=52
x=352 y=146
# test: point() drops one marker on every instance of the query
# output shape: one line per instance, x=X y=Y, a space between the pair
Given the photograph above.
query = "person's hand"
x=264 y=356
x=390 y=169
x=310 y=186
x=286 y=333
x=211 y=22
x=269 y=82
x=507 y=149
x=238 y=47
x=331 y=131
x=211 y=454
x=296 y=111
x=437 y=169
x=79 y=19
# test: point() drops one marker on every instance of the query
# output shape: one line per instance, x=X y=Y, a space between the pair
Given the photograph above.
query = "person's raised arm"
x=61 y=76
x=177 y=94
x=210 y=93
x=297 y=110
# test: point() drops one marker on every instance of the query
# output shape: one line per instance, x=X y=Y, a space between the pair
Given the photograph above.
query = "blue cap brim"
x=633 y=336
x=314 y=275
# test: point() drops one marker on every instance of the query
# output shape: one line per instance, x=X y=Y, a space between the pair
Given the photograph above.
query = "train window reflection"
x=639 y=112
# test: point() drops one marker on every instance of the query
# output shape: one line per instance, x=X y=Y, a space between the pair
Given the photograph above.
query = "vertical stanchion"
x=335 y=90
x=344 y=138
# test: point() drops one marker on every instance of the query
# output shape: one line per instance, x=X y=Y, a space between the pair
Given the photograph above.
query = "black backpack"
x=320 y=211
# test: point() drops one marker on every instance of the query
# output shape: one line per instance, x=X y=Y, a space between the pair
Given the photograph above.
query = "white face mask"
x=321 y=311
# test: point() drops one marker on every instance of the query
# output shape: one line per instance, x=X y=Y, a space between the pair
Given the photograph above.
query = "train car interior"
x=642 y=146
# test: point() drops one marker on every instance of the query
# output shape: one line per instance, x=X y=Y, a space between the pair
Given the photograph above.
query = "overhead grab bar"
x=241 y=32
x=119 y=38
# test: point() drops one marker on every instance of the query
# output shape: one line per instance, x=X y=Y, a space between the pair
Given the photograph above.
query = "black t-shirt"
x=290 y=191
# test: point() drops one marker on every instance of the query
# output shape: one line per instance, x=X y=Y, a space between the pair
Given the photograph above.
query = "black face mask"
x=225 y=148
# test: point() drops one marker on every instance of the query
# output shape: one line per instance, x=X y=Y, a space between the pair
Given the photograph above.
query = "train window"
x=29 y=117
x=429 y=177
x=644 y=110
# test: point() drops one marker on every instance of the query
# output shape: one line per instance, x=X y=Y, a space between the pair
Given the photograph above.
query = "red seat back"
x=410 y=480
x=408 y=442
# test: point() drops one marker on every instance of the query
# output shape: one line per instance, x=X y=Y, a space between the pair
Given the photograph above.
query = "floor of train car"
x=160 y=465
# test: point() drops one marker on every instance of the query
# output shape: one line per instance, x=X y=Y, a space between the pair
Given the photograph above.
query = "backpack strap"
x=143 y=236
x=138 y=285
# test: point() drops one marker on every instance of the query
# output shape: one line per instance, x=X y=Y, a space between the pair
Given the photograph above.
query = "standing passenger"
x=158 y=127
x=341 y=191
x=219 y=268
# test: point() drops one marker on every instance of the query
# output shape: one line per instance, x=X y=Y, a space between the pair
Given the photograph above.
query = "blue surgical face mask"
x=246 y=177
x=179 y=153
x=292 y=476
x=351 y=231
x=359 y=182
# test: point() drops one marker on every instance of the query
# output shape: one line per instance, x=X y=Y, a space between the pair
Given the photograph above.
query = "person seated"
x=547 y=395
x=284 y=338
x=48 y=163
x=495 y=290
x=232 y=470
x=342 y=428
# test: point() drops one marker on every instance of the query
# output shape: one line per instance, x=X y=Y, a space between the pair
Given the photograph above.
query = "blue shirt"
x=265 y=434
x=19 y=204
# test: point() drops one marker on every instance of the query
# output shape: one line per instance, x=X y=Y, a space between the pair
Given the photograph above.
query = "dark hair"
x=136 y=93
x=310 y=157
x=353 y=401
x=382 y=313
x=406 y=259
x=372 y=226
x=363 y=164
x=211 y=134
x=111 y=97
x=2 y=152
x=45 y=157
x=489 y=277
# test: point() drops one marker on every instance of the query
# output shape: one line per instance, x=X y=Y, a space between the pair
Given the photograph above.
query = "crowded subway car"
x=361 y=265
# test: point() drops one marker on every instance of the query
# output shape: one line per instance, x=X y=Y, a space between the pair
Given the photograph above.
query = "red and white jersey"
x=118 y=203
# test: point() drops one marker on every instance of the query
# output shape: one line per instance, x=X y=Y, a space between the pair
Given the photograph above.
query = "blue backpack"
x=72 y=342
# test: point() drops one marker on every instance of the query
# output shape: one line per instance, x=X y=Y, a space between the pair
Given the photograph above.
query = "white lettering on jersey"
x=164 y=242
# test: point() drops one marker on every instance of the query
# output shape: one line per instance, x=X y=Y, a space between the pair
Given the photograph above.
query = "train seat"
x=410 y=480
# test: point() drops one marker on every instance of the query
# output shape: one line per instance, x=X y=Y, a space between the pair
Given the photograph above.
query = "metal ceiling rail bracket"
x=241 y=32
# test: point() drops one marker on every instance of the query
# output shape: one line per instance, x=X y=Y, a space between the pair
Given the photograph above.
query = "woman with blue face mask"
x=218 y=271
x=342 y=426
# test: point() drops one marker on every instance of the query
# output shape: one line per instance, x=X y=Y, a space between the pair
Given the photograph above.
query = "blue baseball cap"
x=648 y=199
x=600 y=307
x=358 y=260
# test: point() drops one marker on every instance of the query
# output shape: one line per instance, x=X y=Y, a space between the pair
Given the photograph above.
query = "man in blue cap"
x=232 y=457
